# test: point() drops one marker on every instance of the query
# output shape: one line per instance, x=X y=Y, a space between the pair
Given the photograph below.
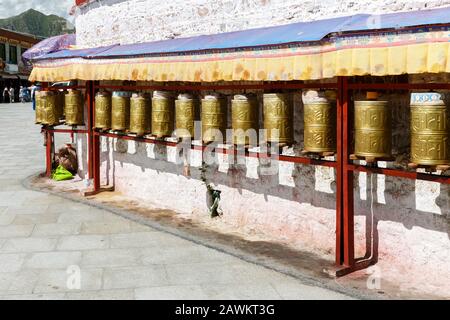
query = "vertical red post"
x=48 y=152
x=347 y=180
x=339 y=172
x=89 y=103
x=96 y=147
x=48 y=142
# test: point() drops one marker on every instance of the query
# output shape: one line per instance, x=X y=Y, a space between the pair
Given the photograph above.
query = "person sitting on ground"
x=67 y=158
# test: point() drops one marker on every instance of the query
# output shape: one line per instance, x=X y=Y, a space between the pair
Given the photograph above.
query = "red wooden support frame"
x=89 y=102
x=345 y=241
x=345 y=255
x=95 y=145
x=347 y=181
x=49 y=151
x=339 y=170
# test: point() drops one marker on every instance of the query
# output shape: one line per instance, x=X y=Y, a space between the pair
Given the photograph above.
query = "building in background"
x=13 y=72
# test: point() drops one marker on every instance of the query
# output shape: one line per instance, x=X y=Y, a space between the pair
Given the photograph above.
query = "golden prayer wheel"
x=139 y=114
x=372 y=128
x=74 y=108
x=244 y=119
x=38 y=107
x=49 y=110
x=185 y=113
x=214 y=118
x=162 y=114
x=278 y=118
x=102 y=110
x=319 y=121
x=120 y=114
x=429 y=129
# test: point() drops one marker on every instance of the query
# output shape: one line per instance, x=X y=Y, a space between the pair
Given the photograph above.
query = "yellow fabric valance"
x=377 y=55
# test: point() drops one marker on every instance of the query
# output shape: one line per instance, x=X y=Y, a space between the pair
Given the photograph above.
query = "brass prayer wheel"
x=49 y=111
x=139 y=114
x=185 y=112
x=372 y=128
x=429 y=129
x=38 y=107
x=162 y=114
x=319 y=121
x=102 y=110
x=120 y=114
x=244 y=118
x=74 y=108
x=278 y=118
x=214 y=118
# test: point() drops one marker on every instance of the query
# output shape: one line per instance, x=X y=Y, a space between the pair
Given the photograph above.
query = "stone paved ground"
x=44 y=238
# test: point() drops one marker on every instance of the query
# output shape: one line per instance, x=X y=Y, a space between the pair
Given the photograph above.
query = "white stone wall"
x=404 y=224
x=409 y=221
x=106 y=22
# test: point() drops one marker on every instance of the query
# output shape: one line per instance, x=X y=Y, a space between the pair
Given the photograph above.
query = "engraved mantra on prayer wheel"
x=162 y=116
x=139 y=114
x=214 y=121
x=278 y=118
x=372 y=129
x=74 y=108
x=102 y=111
x=120 y=114
x=185 y=117
x=429 y=130
x=38 y=108
x=49 y=110
x=244 y=116
x=320 y=127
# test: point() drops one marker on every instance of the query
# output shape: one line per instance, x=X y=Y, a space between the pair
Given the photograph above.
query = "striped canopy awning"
x=414 y=42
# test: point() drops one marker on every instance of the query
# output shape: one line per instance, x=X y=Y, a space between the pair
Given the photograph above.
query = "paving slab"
x=6 y=218
x=33 y=219
x=53 y=260
x=13 y=231
x=134 y=277
x=83 y=242
x=147 y=239
x=46 y=296
x=118 y=294
x=56 y=229
x=194 y=292
x=29 y=245
x=103 y=227
x=20 y=282
x=11 y=262
x=61 y=281
x=111 y=258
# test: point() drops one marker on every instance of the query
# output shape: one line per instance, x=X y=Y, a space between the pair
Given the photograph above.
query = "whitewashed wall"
x=113 y=21
x=408 y=220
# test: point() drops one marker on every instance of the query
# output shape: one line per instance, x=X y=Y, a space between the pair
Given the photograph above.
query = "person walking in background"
x=21 y=94
x=11 y=95
x=27 y=95
x=6 y=95
x=34 y=88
